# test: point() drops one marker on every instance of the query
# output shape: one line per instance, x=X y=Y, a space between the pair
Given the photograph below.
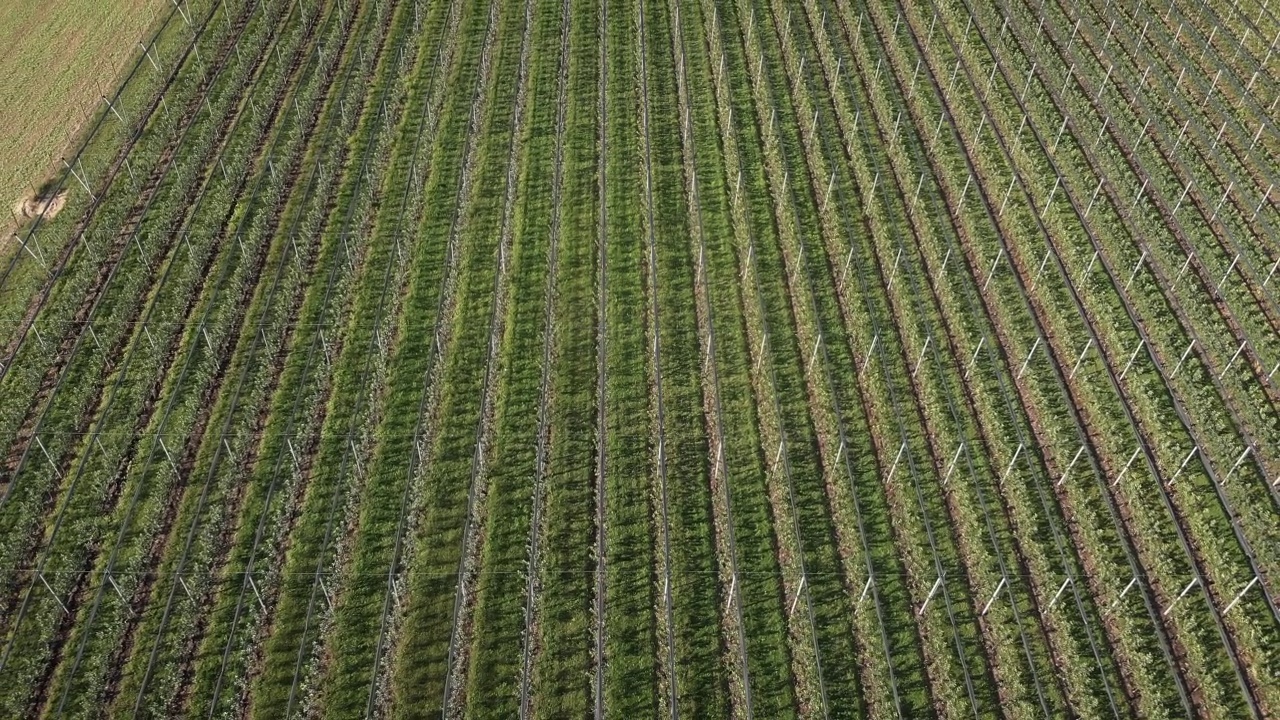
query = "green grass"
x=58 y=59
x=404 y=276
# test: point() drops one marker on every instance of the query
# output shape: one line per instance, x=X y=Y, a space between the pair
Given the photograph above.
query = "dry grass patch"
x=57 y=58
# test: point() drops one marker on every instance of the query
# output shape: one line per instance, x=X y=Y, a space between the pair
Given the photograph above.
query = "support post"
x=328 y=599
x=932 y=591
x=254 y=585
x=1035 y=346
x=1013 y=460
x=1058 y=595
x=1005 y=201
x=1183 y=466
x=894 y=468
x=56 y=599
x=1182 y=197
x=168 y=456
x=1248 y=449
x=48 y=457
x=974 y=358
x=796 y=601
x=1182 y=359
x=1227 y=367
x=999 y=587
x=186 y=589
x=113 y=110
x=119 y=592
x=991 y=273
x=1141 y=344
x=147 y=51
x=954 y=459
x=1134 y=273
x=1088 y=344
x=1057 y=183
x=1058 y=138
x=1194 y=581
x=182 y=12
x=81 y=180
x=1240 y=594
x=1093 y=199
x=1070 y=465
x=1124 y=592
x=1231 y=267
x=870 y=353
x=920 y=360
x=893 y=273
x=1127 y=465
x=1089 y=268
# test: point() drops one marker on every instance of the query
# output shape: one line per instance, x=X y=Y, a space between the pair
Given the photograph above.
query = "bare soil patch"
x=33 y=206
